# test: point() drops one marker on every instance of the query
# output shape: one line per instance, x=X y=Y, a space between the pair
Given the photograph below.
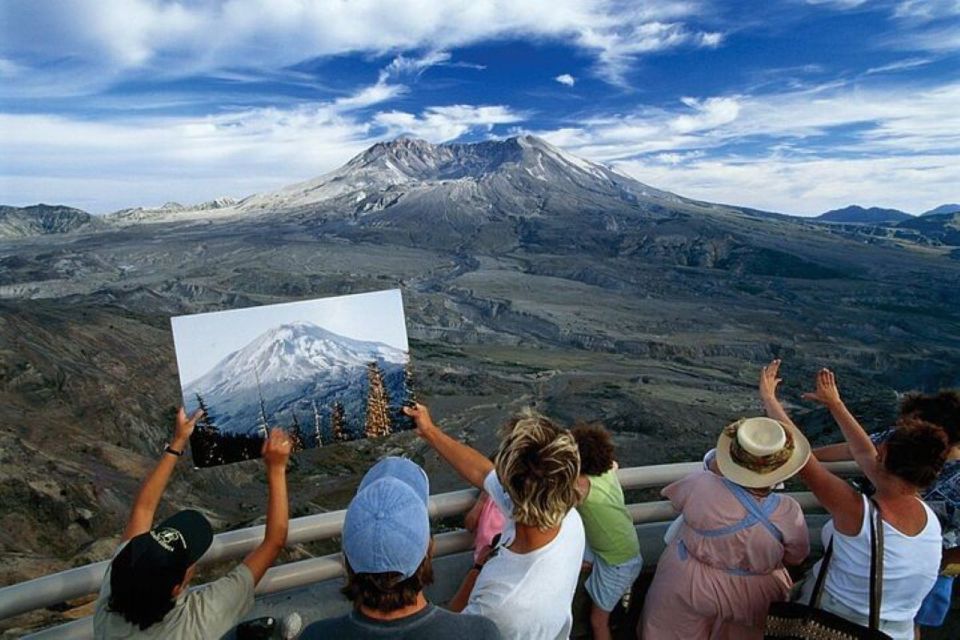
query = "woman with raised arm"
x=943 y=496
x=909 y=460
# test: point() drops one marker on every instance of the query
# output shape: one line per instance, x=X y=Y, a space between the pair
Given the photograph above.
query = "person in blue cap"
x=145 y=593
x=386 y=550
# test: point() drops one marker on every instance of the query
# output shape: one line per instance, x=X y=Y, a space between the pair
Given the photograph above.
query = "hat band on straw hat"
x=755 y=463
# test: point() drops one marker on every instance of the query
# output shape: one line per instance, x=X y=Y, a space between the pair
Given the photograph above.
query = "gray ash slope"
x=578 y=290
x=42 y=219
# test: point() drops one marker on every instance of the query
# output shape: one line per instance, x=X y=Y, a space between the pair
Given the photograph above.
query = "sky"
x=202 y=340
x=796 y=106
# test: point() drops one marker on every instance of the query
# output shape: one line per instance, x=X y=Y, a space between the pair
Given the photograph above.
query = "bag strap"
x=822 y=576
x=876 y=563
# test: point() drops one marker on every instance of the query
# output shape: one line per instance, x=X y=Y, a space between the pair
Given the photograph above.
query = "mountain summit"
x=855 y=214
x=522 y=176
x=286 y=364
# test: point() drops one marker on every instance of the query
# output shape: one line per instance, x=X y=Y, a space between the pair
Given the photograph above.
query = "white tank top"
x=910 y=567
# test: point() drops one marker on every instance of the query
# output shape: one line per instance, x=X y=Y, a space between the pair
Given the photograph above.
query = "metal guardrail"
x=74 y=583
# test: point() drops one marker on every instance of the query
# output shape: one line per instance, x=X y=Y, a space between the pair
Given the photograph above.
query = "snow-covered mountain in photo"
x=292 y=366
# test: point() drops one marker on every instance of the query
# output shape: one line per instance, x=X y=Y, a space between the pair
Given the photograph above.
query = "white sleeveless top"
x=910 y=566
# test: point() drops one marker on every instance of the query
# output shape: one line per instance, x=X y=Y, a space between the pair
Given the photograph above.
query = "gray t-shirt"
x=207 y=612
x=430 y=623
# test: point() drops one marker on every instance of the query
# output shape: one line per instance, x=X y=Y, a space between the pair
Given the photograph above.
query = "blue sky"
x=794 y=105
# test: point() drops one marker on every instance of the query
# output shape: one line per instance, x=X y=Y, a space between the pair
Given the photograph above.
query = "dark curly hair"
x=386 y=591
x=596 y=448
x=916 y=452
x=941 y=409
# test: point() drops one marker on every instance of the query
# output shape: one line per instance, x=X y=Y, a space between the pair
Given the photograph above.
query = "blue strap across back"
x=757 y=513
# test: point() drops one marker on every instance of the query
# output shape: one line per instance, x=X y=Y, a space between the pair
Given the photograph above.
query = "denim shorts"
x=607 y=583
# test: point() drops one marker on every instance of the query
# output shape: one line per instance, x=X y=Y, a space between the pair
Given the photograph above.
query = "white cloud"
x=105 y=166
x=440 y=124
x=899 y=65
x=800 y=152
x=96 y=42
x=402 y=65
x=838 y=4
x=885 y=120
x=927 y=10
x=806 y=186
x=566 y=79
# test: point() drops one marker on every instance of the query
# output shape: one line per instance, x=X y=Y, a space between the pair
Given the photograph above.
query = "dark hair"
x=941 y=409
x=386 y=591
x=596 y=448
x=916 y=452
x=142 y=600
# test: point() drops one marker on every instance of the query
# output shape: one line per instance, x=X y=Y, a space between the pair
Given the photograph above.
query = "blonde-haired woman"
x=717 y=577
x=526 y=587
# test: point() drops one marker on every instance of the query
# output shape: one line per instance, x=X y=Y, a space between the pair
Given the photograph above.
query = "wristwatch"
x=170 y=449
x=478 y=567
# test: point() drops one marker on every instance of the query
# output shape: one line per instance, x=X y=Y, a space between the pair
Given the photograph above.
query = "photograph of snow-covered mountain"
x=328 y=370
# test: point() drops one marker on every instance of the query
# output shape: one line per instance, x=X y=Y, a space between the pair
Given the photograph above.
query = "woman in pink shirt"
x=717 y=577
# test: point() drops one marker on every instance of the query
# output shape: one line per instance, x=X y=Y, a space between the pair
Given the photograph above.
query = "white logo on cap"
x=166 y=536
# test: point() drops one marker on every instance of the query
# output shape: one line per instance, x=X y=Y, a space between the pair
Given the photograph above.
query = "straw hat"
x=761 y=452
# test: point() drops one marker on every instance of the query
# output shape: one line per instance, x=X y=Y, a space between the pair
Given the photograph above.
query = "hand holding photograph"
x=327 y=370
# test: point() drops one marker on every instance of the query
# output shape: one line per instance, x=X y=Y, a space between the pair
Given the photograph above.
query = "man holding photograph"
x=145 y=591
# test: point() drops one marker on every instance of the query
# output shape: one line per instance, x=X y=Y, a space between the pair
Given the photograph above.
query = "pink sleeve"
x=678 y=492
x=796 y=536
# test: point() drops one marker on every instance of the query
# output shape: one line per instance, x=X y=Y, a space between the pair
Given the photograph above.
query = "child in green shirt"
x=613 y=550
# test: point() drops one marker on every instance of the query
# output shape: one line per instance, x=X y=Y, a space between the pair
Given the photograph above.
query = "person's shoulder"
x=702 y=478
x=324 y=629
x=788 y=506
x=471 y=625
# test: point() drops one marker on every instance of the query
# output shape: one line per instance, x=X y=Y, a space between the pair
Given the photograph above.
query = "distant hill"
x=40 y=219
x=941 y=228
x=855 y=214
x=944 y=208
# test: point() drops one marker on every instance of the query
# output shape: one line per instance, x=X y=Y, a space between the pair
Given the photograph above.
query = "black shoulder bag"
x=799 y=621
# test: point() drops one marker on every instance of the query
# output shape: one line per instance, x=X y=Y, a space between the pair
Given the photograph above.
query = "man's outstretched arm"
x=472 y=465
x=145 y=505
x=276 y=451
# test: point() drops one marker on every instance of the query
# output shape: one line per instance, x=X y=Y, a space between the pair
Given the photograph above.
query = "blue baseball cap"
x=387 y=526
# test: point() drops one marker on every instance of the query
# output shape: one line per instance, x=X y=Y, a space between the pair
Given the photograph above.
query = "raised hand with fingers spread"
x=770 y=380
x=826 y=392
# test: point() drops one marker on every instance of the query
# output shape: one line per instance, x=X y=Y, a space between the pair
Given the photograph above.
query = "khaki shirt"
x=207 y=612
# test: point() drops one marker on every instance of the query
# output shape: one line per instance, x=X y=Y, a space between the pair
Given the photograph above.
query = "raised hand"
x=184 y=427
x=421 y=418
x=826 y=392
x=276 y=449
x=769 y=380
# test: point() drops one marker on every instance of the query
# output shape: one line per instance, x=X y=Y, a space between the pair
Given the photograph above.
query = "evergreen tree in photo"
x=205 y=441
x=297 y=439
x=377 y=423
x=263 y=424
x=338 y=423
x=317 y=438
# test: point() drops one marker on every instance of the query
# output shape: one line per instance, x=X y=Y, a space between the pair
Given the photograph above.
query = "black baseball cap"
x=164 y=553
